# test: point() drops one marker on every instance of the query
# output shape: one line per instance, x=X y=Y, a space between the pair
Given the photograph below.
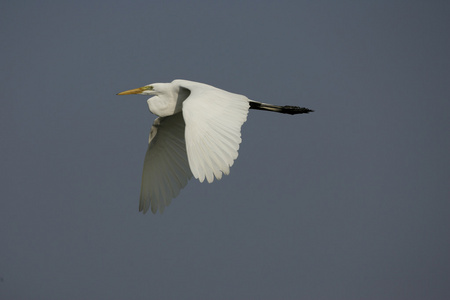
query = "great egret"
x=198 y=133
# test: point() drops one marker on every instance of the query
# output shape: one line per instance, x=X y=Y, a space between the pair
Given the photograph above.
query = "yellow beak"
x=134 y=91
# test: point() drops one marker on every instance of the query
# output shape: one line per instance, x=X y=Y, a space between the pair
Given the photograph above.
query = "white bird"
x=198 y=133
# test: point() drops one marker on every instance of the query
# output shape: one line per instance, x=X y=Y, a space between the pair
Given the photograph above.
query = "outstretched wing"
x=166 y=167
x=214 y=118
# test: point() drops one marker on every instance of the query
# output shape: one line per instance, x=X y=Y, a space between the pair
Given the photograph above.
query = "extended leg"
x=292 y=110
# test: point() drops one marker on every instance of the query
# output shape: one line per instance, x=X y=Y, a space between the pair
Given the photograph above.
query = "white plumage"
x=198 y=133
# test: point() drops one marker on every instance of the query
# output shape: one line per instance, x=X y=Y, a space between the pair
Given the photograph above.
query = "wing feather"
x=214 y=118
x=166 y=167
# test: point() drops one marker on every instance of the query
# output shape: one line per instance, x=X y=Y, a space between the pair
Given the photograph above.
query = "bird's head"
x=145 y=90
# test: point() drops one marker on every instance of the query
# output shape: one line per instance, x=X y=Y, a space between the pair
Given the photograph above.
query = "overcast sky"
x=349 y=202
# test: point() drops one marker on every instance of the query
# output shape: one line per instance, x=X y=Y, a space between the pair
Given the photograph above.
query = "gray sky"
x=349 y=202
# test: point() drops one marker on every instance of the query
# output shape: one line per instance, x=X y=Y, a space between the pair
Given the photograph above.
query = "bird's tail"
x=292 y=110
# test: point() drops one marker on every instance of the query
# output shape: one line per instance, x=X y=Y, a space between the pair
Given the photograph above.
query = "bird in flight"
x=197 y=133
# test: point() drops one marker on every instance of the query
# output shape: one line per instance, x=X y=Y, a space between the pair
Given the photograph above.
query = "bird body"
x=198 y=134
